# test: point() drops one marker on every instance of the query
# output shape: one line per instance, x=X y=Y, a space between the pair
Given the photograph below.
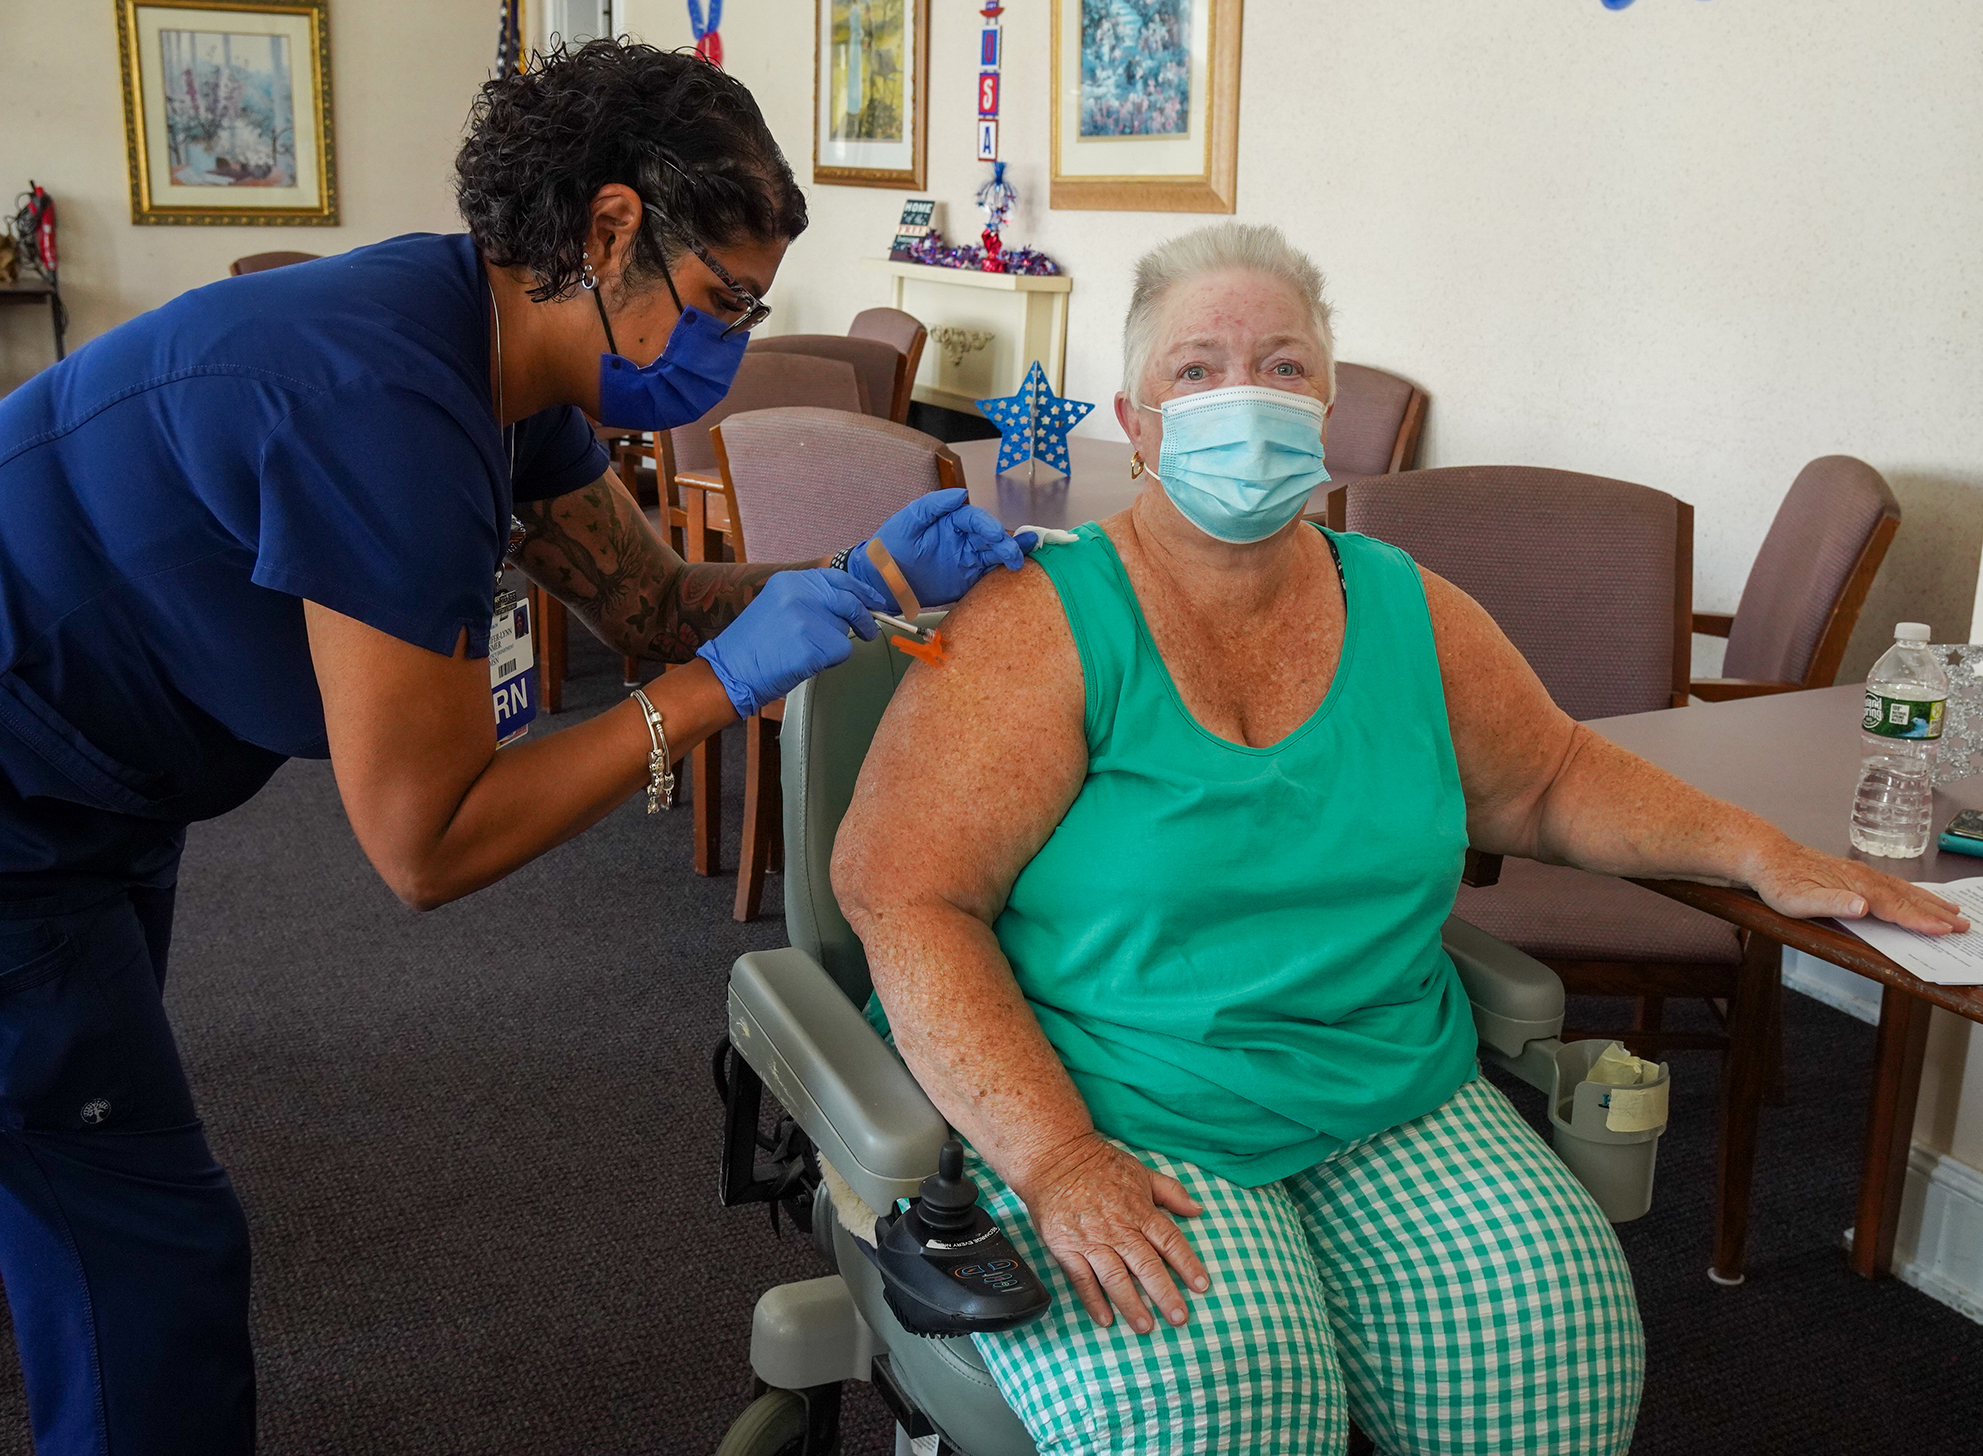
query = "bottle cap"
x=1910 y=631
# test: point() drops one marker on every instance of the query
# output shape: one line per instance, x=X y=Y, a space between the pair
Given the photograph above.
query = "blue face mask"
x=690 y=378
x=1241 y=462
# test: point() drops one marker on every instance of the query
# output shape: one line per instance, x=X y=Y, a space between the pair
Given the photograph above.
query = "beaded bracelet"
x=660 y=775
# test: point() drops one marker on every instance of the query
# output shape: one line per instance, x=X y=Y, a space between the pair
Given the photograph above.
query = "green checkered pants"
x=1447 y=1283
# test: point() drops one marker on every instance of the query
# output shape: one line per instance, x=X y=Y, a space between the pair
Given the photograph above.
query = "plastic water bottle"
x=1906 y=695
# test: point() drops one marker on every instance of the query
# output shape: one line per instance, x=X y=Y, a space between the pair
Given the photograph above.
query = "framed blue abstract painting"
x=1145 y=105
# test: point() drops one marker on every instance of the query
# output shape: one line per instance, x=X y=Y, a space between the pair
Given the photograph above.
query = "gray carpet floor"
x=478 y=1148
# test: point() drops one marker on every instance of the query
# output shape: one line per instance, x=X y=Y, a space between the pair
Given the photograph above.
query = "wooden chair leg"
x=1650 y=1014
x=706 y=803
x=1744 y=1077
x=550 y=623
x=761 y=813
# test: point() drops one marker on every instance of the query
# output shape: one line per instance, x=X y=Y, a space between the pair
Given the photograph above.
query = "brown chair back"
x=808 y=481
x=1592 y=579
x=877 y=365
x=1810 y=579
x=767 y=379
x=903 y=332
x=1375 y=426
x=262 y=262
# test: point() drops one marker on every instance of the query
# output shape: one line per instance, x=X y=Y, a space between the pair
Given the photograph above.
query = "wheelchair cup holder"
x=1607 y=1135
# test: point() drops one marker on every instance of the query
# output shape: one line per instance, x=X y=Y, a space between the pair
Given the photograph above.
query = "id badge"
x=512 y=668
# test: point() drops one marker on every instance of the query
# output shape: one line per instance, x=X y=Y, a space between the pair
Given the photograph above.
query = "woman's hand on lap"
x=1794 y=880
x=1102 y=1215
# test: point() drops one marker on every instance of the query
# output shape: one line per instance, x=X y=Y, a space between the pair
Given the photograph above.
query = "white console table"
x=996 y=325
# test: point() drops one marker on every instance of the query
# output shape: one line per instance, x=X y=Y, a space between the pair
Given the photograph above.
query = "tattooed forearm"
x=595 y=551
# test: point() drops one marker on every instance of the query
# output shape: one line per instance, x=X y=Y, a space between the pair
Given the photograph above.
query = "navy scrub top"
x=171 y=493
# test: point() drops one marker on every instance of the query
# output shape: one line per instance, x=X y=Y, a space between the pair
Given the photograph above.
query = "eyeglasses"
x=755 y=309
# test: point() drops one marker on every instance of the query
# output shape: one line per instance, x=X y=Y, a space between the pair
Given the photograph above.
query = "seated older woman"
x=1151 y=877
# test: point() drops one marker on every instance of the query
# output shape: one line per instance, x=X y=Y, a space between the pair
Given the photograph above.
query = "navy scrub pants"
x=122 y=1247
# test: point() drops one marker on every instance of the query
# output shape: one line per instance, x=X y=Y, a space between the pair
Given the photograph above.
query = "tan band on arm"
x=892 y=575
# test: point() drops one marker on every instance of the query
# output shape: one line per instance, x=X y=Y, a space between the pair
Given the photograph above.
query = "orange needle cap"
x=930 y=651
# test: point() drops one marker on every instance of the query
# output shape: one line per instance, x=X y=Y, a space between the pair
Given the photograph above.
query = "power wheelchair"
x=855 y=1118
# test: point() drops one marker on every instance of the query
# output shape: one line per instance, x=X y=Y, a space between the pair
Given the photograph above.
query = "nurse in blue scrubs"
x=264 y=521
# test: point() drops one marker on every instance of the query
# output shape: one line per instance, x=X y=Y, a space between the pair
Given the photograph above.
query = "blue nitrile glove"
x=943 y=545
x=796 y=626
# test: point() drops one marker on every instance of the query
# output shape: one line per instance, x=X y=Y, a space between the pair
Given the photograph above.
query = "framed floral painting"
x=1145 y=105
x=871 y=93
x=227 y=111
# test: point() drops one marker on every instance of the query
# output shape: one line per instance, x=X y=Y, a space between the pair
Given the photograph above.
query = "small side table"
x=34 y=290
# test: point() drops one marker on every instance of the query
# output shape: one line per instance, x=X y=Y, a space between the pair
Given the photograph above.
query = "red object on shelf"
x=44 y=232
x=994 y=246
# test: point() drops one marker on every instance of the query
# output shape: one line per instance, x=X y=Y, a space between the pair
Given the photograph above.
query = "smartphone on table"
x=1964 y=834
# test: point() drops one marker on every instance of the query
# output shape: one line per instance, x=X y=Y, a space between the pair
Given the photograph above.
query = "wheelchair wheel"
x=772 y=1425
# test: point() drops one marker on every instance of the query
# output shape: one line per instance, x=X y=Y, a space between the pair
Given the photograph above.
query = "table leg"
x=1744 y=1074
x=1889 y=1128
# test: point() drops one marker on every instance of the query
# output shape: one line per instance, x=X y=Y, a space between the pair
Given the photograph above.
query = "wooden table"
x=1794 y=759
x=1098 y=486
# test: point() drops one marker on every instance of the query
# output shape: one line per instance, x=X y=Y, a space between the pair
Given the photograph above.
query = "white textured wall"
x=402 y=76
x=1694 y=243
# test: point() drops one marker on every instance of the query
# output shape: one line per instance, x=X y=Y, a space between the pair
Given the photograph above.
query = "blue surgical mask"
x=1241 y=462
x=690 y=378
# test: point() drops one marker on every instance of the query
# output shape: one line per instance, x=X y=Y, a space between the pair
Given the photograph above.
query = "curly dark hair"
x=685 y=136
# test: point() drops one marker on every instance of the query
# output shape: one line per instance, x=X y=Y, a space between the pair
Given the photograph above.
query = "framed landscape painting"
x=1145 y=105
x=227 y=111
x=870 y=93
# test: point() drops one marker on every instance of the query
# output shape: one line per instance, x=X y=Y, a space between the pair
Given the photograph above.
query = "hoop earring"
x=1136 y=466
x=587 y=279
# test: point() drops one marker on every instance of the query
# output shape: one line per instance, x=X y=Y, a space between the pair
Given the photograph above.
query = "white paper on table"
x=1942 y=960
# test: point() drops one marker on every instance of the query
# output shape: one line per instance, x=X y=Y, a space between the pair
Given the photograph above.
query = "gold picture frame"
x=1122 y=164
x=216 y=134
x=900 y=162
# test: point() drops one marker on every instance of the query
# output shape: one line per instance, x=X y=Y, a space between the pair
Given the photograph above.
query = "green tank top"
x=1236 y=950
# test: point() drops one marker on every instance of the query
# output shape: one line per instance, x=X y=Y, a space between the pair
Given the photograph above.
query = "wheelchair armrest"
x=1516 y=998
x=837 y=1078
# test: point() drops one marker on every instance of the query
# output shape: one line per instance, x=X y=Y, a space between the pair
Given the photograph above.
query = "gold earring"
x=1136 y=466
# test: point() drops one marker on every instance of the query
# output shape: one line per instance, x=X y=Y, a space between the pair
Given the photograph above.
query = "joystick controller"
x=946 y=1266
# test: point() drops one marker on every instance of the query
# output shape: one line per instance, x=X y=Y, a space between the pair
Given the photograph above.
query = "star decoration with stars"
x=1034 y=422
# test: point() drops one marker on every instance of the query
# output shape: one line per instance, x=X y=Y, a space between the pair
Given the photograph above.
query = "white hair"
x=1254 y=247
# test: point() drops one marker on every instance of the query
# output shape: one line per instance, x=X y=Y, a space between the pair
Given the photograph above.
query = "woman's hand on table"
x=1102 y=1215
x=1794 y=880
